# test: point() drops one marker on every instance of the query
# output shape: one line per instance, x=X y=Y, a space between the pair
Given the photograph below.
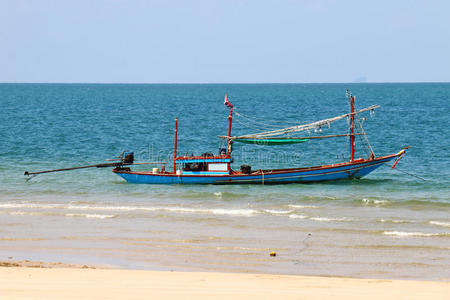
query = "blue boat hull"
x=348 y=170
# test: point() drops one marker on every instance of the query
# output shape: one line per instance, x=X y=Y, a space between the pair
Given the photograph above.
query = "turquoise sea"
x=388 y=225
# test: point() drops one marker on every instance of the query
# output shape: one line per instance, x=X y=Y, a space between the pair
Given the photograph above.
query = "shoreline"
x=44 y=264
x=39 y=280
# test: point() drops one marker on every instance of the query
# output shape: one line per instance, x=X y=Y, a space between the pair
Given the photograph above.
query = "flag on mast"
x=226 y=102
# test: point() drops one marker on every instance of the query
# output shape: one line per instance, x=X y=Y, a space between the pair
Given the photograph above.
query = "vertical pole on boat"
x=175 y=147
x=352 y=128
x=230 y=118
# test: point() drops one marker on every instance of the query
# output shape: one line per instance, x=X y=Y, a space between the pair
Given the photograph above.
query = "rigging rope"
x=314 y=125
x=404 y=172
x=255 y=127
x=366 y=140
x=262 y=125
x=253 y=119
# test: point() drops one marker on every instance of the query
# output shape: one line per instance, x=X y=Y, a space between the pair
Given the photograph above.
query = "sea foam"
x=323 y=219
x=394 y=221
x=295 y=216
x=91 y=216
x=438 y=223
x=420 y=234
x=302 y=206
x=276 y=212
x=376 y=202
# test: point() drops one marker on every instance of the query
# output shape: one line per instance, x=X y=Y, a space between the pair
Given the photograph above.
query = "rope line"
x=298 y=128
x=266 y=121
x=263 y=125
x=401 y=171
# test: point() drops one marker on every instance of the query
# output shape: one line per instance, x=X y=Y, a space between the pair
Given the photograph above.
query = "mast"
x=230 y=118
x=352 y=128
x=175 y=147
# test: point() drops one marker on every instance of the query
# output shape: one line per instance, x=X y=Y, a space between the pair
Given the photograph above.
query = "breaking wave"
x=302 y=206
x=374 y=202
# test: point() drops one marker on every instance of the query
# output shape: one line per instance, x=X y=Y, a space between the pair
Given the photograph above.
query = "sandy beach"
x=224 y=150
x=83 y=282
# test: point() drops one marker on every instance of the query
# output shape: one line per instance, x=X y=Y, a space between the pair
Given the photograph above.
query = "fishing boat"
x=216 y=169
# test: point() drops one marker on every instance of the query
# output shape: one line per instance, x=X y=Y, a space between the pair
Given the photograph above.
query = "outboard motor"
x=128 y=158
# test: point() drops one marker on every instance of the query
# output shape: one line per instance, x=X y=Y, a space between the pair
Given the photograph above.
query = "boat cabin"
x=206 y=164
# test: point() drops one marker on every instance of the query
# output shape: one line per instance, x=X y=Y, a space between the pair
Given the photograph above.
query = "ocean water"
x=388 y=225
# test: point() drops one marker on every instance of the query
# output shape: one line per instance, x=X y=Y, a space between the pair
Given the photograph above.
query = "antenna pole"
x=175 y=147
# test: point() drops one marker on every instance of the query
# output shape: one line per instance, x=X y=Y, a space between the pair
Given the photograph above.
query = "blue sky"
x=131 y=41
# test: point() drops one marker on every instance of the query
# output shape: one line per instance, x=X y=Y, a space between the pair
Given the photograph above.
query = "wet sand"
x=41 y=264
x=84 y=282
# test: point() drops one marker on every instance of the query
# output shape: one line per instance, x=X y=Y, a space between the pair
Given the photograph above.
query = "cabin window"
x=218 y=167
x=194 y=167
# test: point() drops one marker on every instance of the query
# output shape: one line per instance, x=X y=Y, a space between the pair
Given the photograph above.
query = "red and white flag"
x=226 y=102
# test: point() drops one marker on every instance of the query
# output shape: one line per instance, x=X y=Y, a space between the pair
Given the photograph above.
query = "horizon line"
x=212 y=83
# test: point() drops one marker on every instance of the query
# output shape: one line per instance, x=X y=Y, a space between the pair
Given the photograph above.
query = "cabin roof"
x=207 y=159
